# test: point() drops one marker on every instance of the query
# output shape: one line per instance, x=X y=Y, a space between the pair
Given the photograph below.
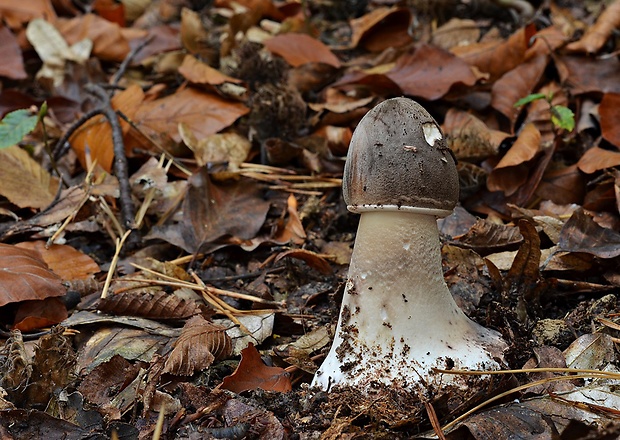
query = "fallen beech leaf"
x=516 y=84
x=497 y=58
x=204 y=113
x=456 y=32
x=485 y=236
x=298 y=49
x=597 y=35
x=65 y=261
x=381 y=28
x=214 y=210
x=469 y=138
x=11 y=55
x=25 y=276
x=596 y=159
x=582 y=234
x=96 y=133
x=157 y=305
x=19 y=171
x=14 y=13
x=231 y=147
x=312 y=259
x=293 y=231
x=609 y=110
x=589 y=74
x=512 y=170
x=198 y=72
x=108 y=41
x=430 y=72
x=252 y=374
x=34 y=315
x=199 y=345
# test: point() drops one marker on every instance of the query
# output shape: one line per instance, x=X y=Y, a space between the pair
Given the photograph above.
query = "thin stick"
x=108 y=278
x=514 y=390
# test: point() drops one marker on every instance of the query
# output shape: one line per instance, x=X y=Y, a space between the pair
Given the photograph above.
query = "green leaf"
x=529 y=98
x=562 y=117
x=15 y=125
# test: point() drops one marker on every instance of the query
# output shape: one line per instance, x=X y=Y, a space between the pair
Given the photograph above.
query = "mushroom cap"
x=398 y=159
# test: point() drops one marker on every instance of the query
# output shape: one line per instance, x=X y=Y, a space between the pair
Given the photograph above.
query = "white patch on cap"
x=431 y=133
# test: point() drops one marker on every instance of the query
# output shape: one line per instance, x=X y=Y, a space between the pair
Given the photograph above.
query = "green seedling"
x=561 y=116
x=15 y=125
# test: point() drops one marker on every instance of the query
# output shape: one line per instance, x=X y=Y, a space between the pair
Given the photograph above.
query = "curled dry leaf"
x=497 y=58
x=596 y=159
x=25 y=276
x=430 y=72
x=312 y=259
x=582 y=234
x=18 y=171
x=65 y=261
x=152 y=305
x=609 y=111
x=200 y=344
x=299 y=49
x=512 y=170
x=381 y=28
x=252 y=374
x=596 y=36
x=485 y=236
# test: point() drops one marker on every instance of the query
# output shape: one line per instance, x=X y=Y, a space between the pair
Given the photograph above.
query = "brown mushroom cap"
x=398 y=160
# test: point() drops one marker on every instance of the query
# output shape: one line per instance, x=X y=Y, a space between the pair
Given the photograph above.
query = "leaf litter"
x=192 y=290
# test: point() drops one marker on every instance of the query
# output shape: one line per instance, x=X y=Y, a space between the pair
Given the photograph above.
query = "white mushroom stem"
x=398 y=319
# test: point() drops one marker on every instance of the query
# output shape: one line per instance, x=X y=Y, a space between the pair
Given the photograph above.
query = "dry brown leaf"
x=230 y=148
x=512 y=170
x=517 y=84
x=293 y=231
x=252 y=374
x=299 y=49
x=430 y=72
x=16 y=12
x=204 y=113
x=485 y=236
x=18 y=171
x=157 y=305
x=65 y=261
x=470 y=138
x=609 y=110
x=108 y=41
x=194 y=37
x=96 y=133
x=34 y=315
x=596 y=159
x=198 y=72
x=312 y=259
x=588 y=74
x=497 y=58
x=25 y=276
x=582 y=234
x=200 y=344
x=381 y=28
x=11 y=55
x=456 y=32
x=597 y=35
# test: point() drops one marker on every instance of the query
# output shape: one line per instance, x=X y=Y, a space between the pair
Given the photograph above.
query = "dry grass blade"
x=583 y=374
x=432 y=415
x=108 y=279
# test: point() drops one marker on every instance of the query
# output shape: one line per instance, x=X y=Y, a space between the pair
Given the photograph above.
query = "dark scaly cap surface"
x=398 y=160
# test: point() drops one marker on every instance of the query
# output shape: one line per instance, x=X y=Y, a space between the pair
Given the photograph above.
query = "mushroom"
x=398 y=321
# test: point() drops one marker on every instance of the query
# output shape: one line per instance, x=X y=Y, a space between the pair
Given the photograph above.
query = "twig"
x=128 y=59
x=108 y=278
x=128 y=212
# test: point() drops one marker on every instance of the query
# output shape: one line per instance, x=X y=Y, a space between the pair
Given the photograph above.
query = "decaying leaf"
x=18 y=171
x=25 y=276
x=299 y=49
x=252 y=373
x=64 y=260
x=200 y=344
x=582 y=234
x=152 y=305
